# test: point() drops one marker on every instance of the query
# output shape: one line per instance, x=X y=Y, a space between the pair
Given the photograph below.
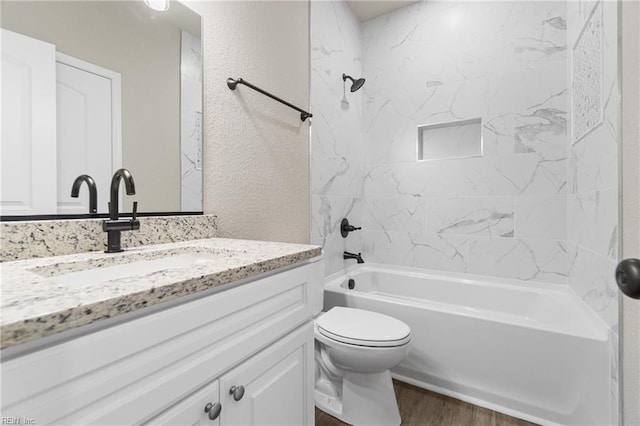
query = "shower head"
x=356 y=84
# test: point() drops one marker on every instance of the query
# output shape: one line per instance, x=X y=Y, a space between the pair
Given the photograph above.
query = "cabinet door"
x=277 y=384
x=191 y=411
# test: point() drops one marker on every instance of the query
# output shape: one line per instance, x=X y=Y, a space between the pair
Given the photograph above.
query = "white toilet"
x=354 y=350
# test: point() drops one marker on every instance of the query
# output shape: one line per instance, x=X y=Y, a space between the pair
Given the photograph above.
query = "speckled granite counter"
x=45 y=296
x=27 y=240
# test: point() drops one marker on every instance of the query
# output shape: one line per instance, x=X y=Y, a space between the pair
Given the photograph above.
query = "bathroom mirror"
x=92 y=86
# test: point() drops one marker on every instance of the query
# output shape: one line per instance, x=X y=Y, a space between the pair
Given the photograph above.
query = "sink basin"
x=133 y=269
x=127 y=265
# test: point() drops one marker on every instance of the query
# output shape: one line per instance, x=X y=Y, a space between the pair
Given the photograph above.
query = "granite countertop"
x=45 y=296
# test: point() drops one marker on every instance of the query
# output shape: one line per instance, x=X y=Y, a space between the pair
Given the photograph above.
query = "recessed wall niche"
x=454 y=139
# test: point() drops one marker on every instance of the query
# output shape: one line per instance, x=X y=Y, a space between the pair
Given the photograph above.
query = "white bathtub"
x=530 y=350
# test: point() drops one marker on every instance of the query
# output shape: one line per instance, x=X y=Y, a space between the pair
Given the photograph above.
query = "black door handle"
x=628 y=277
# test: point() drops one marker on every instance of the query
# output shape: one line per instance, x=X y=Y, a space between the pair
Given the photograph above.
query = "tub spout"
x=348 y=255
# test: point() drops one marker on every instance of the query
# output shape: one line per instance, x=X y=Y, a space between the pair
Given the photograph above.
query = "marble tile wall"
x=336 y=139
x=593 y=165
x=592 y=234
x=430 y=63
x=190 y=123
x=502 y=214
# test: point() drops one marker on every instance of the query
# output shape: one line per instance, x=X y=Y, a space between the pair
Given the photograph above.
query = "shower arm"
x=232 y=84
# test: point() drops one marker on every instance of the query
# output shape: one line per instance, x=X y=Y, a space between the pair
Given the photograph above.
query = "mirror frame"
x=46 y=217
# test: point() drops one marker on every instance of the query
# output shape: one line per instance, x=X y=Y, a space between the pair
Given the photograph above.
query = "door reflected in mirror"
x=89 y=87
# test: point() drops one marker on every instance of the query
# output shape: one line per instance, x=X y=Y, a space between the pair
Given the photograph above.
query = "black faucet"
x=348 y=255
x=93 y=192
x=114 y=226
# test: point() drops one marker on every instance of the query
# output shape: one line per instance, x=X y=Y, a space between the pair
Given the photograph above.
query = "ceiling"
x=365 y=10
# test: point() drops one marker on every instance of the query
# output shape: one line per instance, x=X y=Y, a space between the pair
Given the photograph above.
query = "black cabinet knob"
x=237 y=392
x=628 y=277
x=213 y=410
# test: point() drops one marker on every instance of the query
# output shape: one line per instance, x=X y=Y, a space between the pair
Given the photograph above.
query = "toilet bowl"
x=354 y=351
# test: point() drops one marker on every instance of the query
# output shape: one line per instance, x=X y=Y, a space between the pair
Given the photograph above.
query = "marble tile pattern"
x=336 y=138
x=25 y=240
x=432 y=63
x=593 y=191
x=593 y=168
x=190 y=123
x=37 y=303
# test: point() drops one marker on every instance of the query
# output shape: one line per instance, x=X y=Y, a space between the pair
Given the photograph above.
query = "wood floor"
x=420 y=407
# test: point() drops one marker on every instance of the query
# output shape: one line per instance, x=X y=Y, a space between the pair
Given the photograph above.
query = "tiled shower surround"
x=593 y=165
x=539 y=204
x=501 y=214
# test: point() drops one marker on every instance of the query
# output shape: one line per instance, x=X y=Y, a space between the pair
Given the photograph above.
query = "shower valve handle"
x=345 y=228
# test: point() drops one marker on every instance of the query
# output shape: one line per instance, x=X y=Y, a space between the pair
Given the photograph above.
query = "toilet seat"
x=363 y=328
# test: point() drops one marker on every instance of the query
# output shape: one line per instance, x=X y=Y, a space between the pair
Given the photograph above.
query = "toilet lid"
x=364 y=328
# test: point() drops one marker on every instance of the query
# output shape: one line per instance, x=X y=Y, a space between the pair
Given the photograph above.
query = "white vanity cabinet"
x=271 y=385
x=270 y=388
x=195 y=410
x=166 y=366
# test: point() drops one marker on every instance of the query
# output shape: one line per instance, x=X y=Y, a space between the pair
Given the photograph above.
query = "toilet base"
x=366 y=399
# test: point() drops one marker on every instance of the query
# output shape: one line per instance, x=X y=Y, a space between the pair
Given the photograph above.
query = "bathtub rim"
x=594 y=329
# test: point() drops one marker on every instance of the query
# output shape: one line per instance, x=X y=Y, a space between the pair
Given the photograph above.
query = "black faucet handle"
x=345 y=228
x=135 y=223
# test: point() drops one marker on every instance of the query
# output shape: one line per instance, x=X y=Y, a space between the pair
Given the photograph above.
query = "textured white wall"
x=256 y=151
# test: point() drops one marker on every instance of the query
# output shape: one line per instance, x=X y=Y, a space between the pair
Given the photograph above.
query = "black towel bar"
x=234 y=83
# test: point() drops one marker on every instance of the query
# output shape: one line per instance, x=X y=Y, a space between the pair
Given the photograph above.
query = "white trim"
x=629 y=65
